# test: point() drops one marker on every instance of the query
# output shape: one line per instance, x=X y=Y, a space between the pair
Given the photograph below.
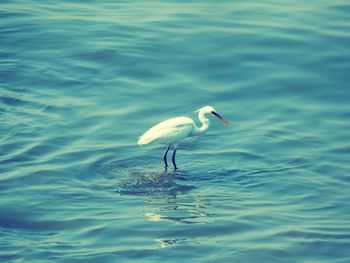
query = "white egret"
x=172 y=131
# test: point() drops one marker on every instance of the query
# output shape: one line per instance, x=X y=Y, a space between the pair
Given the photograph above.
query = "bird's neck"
x=205 y=125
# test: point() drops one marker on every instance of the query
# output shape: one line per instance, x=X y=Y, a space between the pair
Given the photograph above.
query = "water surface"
x=80 y=81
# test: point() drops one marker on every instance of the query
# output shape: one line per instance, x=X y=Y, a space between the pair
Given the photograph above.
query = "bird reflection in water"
x=176 y=210
x=167 y=197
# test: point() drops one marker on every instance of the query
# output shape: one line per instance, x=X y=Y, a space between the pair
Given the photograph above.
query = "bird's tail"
x=139 y=141
x=143 y=140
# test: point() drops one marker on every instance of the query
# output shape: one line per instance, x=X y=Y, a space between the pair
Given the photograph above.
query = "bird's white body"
x=169 y=132
x=174 y=130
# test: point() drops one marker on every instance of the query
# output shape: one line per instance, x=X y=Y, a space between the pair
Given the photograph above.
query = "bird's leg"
x=173 y=159
x=164 y=157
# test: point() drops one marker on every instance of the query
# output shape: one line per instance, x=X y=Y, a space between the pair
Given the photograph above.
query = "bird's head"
x=211 y=110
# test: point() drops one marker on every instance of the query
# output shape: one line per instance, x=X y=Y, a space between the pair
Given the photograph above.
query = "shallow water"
x=80 y=81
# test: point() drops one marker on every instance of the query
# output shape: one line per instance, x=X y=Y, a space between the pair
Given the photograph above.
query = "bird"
x=172 y=131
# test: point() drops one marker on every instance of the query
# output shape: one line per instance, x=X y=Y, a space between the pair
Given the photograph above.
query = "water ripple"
x=80 y=83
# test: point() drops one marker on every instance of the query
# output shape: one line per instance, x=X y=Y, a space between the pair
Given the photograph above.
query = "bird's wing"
x=168 y=131
x=173 y=134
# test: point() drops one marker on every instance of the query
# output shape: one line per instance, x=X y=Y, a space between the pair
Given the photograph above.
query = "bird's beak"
x=217 y=115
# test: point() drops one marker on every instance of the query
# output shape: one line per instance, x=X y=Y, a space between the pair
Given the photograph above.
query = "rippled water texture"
x=80 y=81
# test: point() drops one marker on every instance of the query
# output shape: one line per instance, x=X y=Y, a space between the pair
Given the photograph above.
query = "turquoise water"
x=80 y=81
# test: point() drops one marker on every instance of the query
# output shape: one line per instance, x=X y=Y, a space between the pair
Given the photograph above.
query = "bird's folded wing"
x=167 y=135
